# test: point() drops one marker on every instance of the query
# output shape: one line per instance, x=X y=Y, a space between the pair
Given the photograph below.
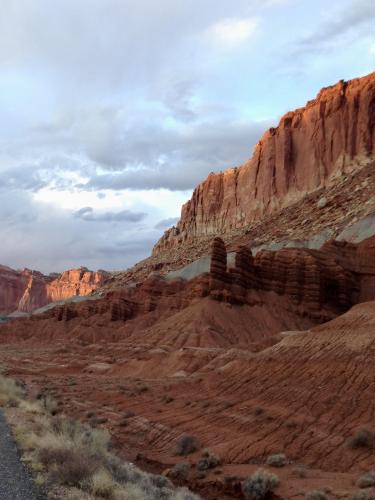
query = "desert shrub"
x=123 y=472
x=49 y=404
x=258 y=410
x=96 y=441
x=363 y=438
x=316 y=495
x=10 y=390
x=54 y=456
x=299 y=471
x=277 y=460
x=78 y=468
x=187 y=444
x=367 y=480
x=259 y=485
x=208 y=461
x=362 y=495
x=167 y=399
x=160 y=481
x=102 y=485
x=180 y=471
x=184 y=494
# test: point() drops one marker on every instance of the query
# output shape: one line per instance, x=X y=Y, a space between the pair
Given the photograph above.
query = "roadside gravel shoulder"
x=15 y=480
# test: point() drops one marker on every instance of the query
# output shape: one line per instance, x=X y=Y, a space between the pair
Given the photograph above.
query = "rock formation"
x=332 y=135
x=312 y=278
x=27 y=290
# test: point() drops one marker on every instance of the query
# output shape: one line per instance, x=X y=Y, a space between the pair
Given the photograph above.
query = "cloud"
x=354 y=20
x=49 y=239
x=232 y=32
x=88 y=214
x=154 y=158
x=166 y=223
x=372 y=48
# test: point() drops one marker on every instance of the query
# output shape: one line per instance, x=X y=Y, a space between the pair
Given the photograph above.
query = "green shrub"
x=277 y=460
x=367 y=480
x=208 y=461
x=187 y=444
x=180 y=471
x=363 y=438
x=259 y=485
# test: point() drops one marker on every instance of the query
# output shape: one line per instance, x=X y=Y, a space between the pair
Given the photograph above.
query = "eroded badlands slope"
x=209 y=358
x=268 y=348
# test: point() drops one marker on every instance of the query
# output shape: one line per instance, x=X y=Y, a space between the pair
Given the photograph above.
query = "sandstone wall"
x=332 y=134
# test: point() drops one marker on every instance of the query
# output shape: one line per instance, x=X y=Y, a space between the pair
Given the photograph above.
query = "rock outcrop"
x=332 y=135
x=27 y=290
x=311 y=278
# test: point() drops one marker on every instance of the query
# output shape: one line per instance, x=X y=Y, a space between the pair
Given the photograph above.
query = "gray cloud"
x=124 y=95
x=354 y=19
x=166 y=223
x=49 y=239
x=88 y=214
x=176 y=160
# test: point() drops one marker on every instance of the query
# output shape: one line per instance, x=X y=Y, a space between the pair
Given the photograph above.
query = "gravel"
x=15 y=481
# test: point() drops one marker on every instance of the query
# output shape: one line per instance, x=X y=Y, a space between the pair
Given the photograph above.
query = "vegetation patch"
x=277 y=460
x=259 y=485
x=73 y=460
x=187 y=444
x=208 y=461
x=367 y=480
x=363 y=438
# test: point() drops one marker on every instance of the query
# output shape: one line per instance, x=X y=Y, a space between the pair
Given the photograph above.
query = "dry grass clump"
x=65 y=453
x=11 y=391
x=187 y=444
x=277 y=460
x=367 y=480
x=259 y=485
x=363 y=438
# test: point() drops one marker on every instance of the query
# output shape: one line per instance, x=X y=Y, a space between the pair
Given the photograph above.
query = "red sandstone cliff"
x=27 y=290
x=331 y=135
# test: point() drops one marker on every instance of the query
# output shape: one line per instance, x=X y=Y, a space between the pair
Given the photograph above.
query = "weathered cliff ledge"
x=332 y=135
x=27 y=290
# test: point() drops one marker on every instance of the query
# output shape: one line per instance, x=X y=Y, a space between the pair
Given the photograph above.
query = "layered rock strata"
x=331 y=136
x=27 y=290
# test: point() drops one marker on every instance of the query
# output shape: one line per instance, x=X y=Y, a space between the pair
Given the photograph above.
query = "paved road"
x=15 y=481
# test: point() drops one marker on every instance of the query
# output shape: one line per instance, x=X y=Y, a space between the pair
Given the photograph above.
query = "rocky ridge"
x=26 y=290
x=311 y=148
x=347 y=201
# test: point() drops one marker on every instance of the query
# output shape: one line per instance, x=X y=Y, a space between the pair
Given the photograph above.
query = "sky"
x=112 y=111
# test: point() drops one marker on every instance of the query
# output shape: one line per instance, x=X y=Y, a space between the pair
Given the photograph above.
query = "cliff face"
x=331 y=135
x=27 y=290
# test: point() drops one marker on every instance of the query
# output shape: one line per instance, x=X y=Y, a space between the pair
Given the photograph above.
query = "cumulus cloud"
x=232 y=32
